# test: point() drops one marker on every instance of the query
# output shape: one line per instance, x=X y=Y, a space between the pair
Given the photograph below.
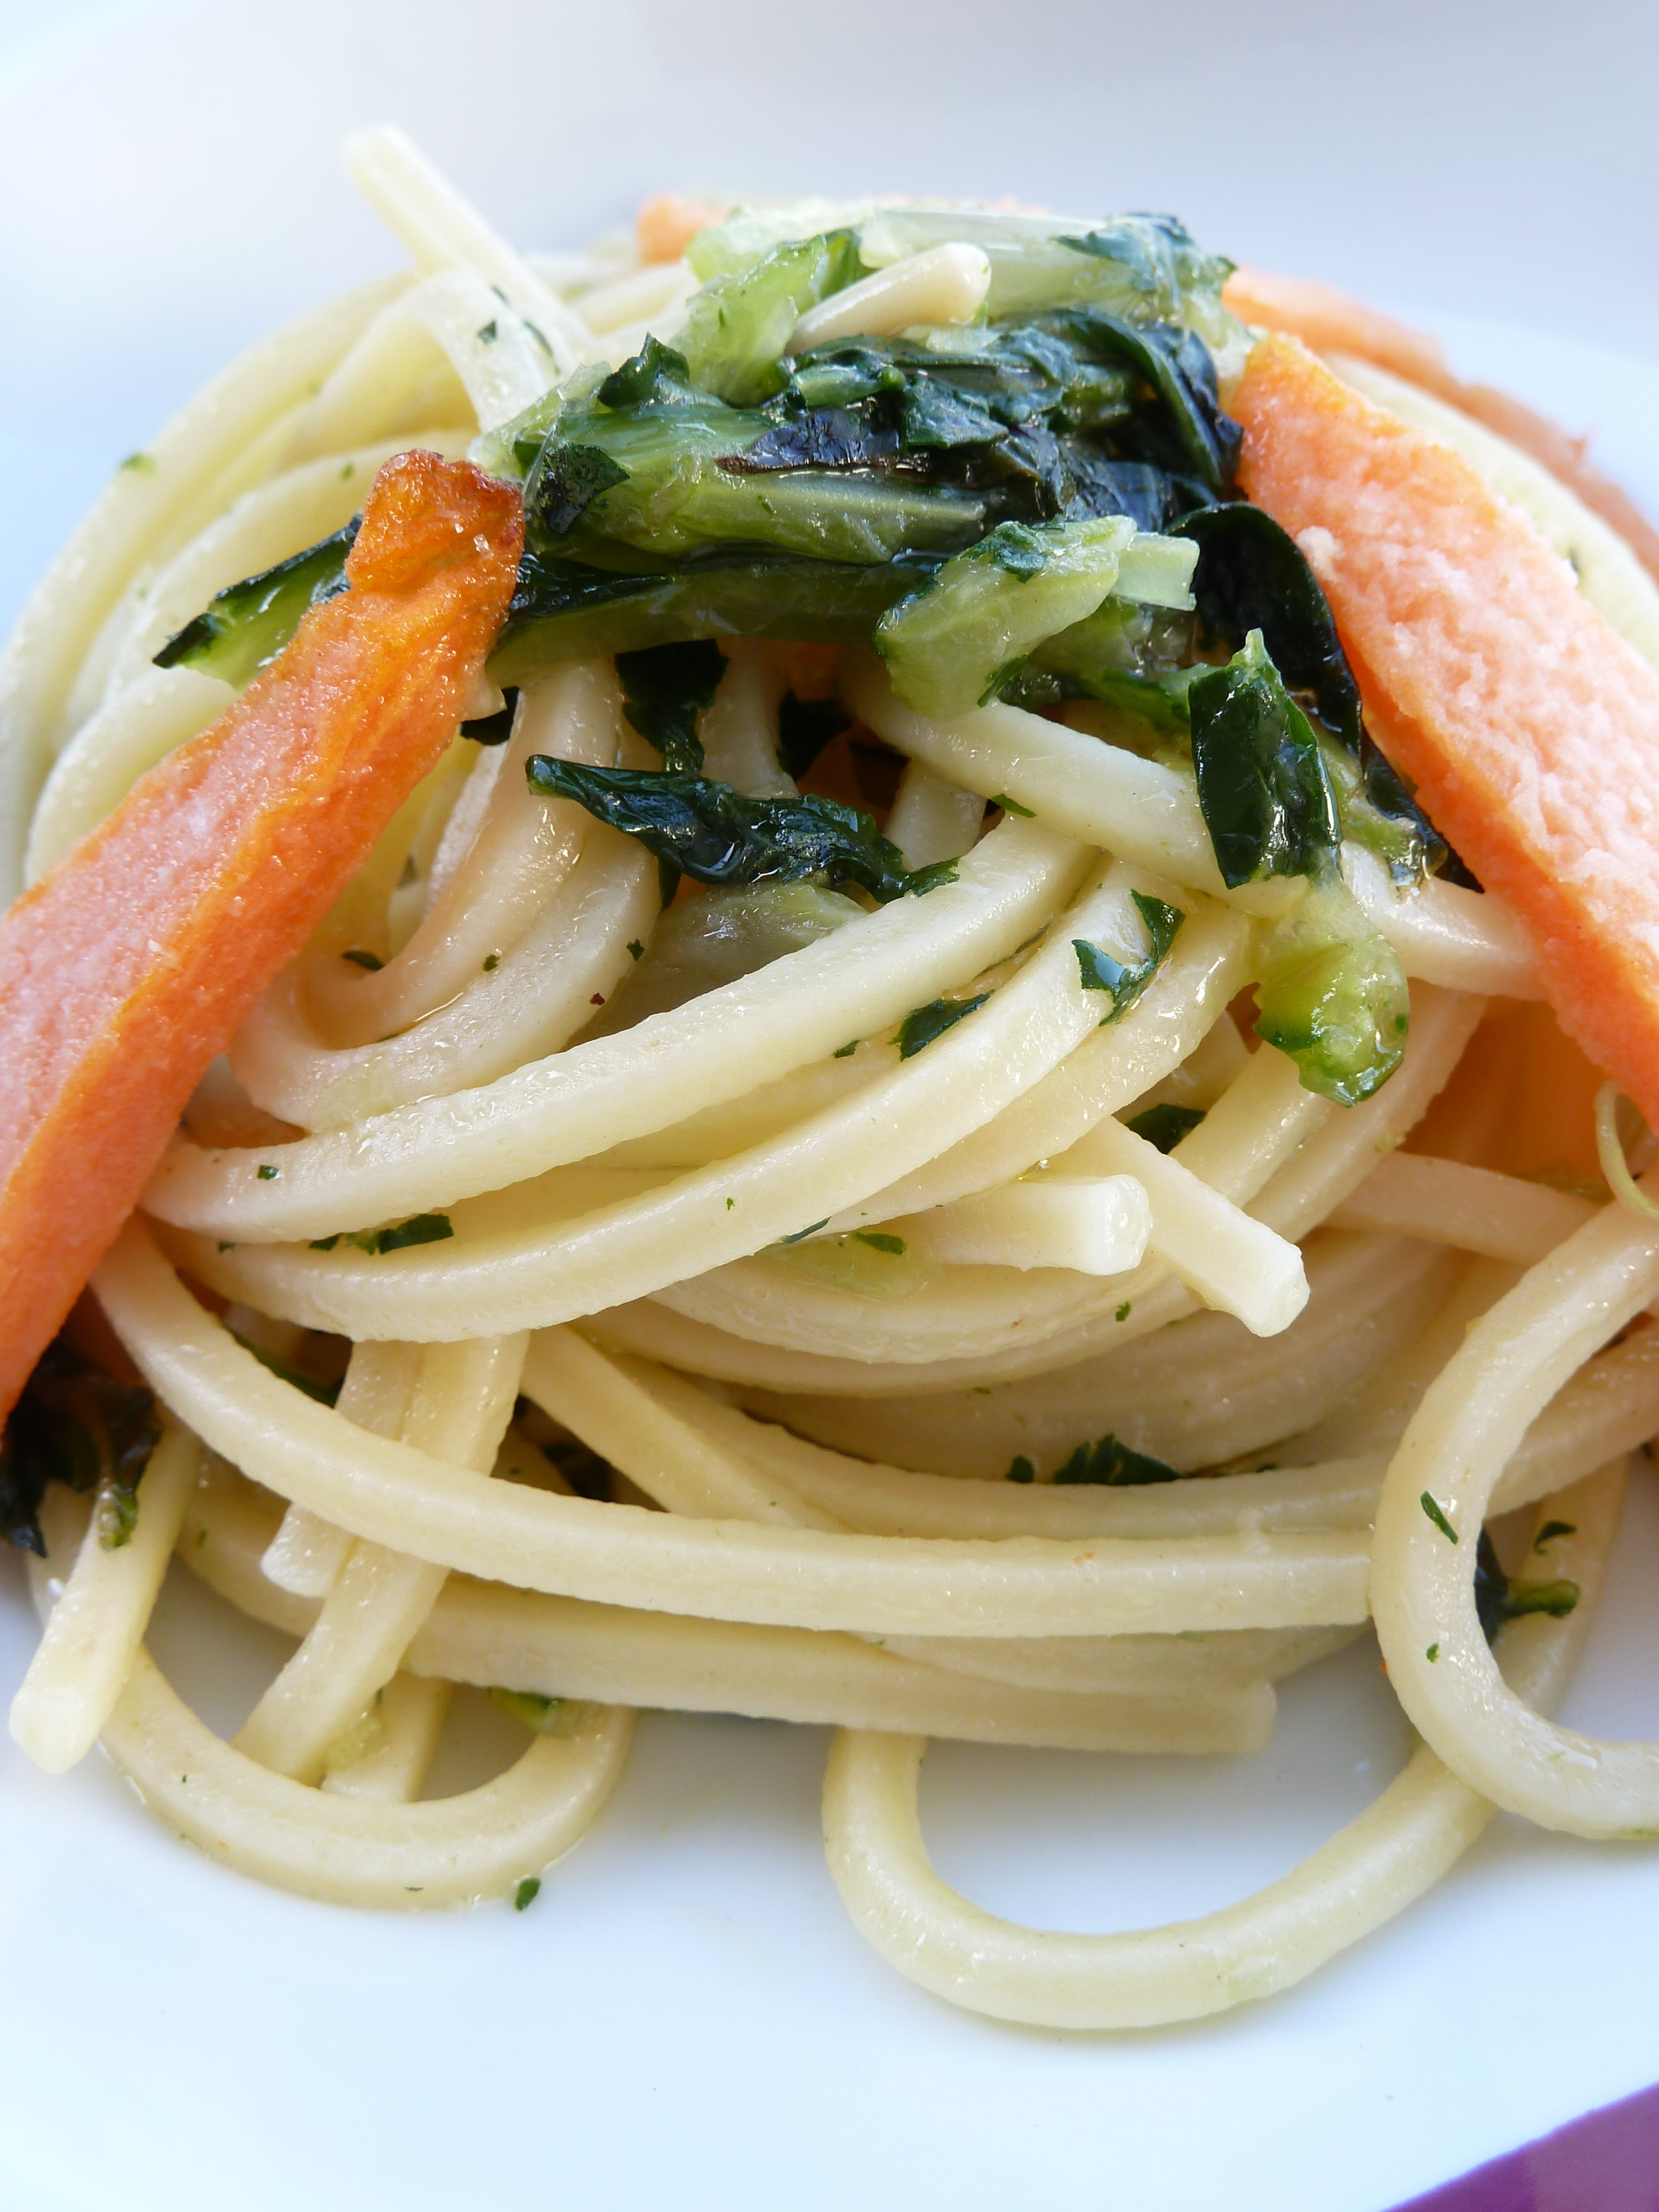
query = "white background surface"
x=684 y=2017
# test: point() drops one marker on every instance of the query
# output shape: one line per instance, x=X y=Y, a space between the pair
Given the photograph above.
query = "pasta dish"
x=888 y=964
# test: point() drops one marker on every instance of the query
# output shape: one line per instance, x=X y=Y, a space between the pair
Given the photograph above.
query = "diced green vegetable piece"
x=948 y=646
x=738 y=326
x=1261 y=781
x=715 y=834
x=1331 y=995
x=1157 y=571
x=246 y=626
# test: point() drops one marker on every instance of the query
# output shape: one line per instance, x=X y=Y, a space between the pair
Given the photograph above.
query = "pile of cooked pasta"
x=932 y=1315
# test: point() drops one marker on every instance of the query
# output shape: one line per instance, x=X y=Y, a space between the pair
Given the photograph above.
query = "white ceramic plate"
x=684 y=2017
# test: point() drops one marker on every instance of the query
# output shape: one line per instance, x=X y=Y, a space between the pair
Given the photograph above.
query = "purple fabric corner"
x=1608 y=2161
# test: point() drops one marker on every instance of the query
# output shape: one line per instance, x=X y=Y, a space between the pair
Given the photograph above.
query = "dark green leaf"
x=1124 y=984
x=822 y=438
x=1262 y=788
x=1020 y=1469
x=1165 y=1126
x=655 y=376
x=664 y=689
x=715 y=834
x=419 y=1229
x=1252 y=575
x=1185 y=428
x=563 y=483
x=926 y=1023
x=246 y=626
x=1110 y=1462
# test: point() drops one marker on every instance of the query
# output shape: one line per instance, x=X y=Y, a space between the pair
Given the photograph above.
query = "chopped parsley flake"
x=527 y=1893
x=1551 y=1530
x=926 y=1023
x=419 y=1229
x=1432 y=1653
x=488 y=333
x=266 y=1173
x=492 y=961
x=1124 y=1310
x=371 y=961
x=635 y=949
x=880 y=1241
x=796 y=1237
x=845 y=1051
x=1013 y=806
x=140 y=465
x=1020 y=1469
x=1437 y=1517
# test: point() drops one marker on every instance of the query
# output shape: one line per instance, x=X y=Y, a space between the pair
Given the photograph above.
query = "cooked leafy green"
x=715 y=834
x=738 y=326
x=1164 y=1125
x=1265 y=798
x=921 y=1027
x=1497 y=1599
x=1331 y=995
x=1110 y=1462
x=967 y=633
x=1252 y=576
x=76 y=1424
x=564 y=481
x=1124 y=983
x=246 y=626
x=664 y=689
x=1144 y=267
x=575 y=610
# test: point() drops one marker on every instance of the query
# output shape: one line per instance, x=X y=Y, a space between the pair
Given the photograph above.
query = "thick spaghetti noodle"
x=893 y=1288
